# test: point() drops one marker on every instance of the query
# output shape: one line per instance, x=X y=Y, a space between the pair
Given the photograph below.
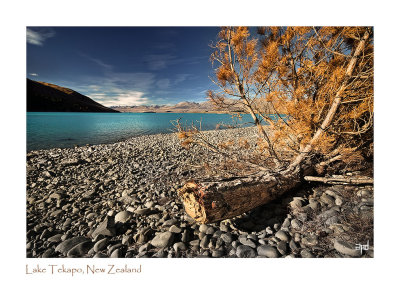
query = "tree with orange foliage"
x=318 y=83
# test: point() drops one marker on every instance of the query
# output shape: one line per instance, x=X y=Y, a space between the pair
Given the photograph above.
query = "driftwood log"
x=209 y=202
x=333 y=180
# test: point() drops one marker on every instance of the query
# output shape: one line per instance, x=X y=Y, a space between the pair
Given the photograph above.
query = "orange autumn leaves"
x=296 y=72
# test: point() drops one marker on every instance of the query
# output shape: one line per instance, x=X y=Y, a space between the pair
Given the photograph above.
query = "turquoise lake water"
x=47 y=130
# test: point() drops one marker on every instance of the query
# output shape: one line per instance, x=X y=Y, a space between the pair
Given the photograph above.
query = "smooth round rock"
x=282 y=235
x=163 y=240
x=244 y=251
x=268 y=251
x=122 y=217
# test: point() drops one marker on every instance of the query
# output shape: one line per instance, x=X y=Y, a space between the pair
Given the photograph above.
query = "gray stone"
x=67 y=223
x=310 y=240
x=144 y=247
x=296 y=224
x=210 y=231
x=143 y=212
x=306 y=253
x=327 y=199
x=247 y=242
x=338 y=201
x=179 y=246
x=282 y=235
x=302 y=217
x=127 y=240
x=286 y=224
x=223 y=227
x=175 y=229
x=293 y=246
x=245 y=251
x=282 y=247
x=100 y=255
x=218 y=253
x=55 y=238
x=332 y=193
x=268 y=251
x=185 y=236
x=170 y=222
x=332 y=220
x=203 y=228
x=67 y=245
x=327 y=214
x=346 y=248
x=80 y=250
x=116 y=253
x=269 y=230
x=217 y=234
x=100 y=245
x=106 y=228
x=296 y=203
x=122 y=217
x=227 y=237
x=163 y=240
x=58 y=195
x=204 y=241
x=195 y=242
x=48 y=253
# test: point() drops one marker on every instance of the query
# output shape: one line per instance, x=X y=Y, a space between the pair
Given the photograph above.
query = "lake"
x=47 y=130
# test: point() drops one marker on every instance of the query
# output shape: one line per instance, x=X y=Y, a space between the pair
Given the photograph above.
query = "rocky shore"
x=120 y=200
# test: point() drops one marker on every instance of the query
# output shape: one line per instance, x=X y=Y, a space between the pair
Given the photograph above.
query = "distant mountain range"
x=47 y=97
x=182 y=107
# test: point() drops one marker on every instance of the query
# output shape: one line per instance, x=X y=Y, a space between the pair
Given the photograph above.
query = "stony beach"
x=120 y=200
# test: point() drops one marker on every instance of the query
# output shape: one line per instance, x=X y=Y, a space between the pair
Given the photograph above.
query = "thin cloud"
x=160 y=61
x=97 y=61
x=38 y=36
x=163 y=83
x=33 y=74
x=129 y=98
x=181 y=77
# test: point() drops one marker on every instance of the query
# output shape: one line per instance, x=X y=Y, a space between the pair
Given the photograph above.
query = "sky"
x=124 y=66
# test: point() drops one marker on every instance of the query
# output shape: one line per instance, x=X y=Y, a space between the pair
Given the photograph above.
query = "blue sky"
x=124 y=65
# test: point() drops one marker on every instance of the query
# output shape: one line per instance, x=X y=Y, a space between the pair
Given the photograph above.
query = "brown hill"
x=47 y=97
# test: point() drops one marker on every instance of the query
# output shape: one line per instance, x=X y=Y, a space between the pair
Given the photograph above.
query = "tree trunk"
x=209 y=202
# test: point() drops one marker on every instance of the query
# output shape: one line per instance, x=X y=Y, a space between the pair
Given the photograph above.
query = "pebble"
x=179 y=246
x=327 y=199
x=227 y=237
x=296 y=224
x=204 y=241
x=117 y=253
x=55 y=238
x=80 y=250
x=100 y=245
x=106 y=228
x=175 y=229
x=244 y=251
x=217 y=253
x=268 y=251
x=76 y=199
x=282 y=235
x=306 y=253
x=247 y=242
x=310 y=240
x=122 y=217
x=163 y=240
x=282 y=247
x=68 y=244
x=203 y=228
